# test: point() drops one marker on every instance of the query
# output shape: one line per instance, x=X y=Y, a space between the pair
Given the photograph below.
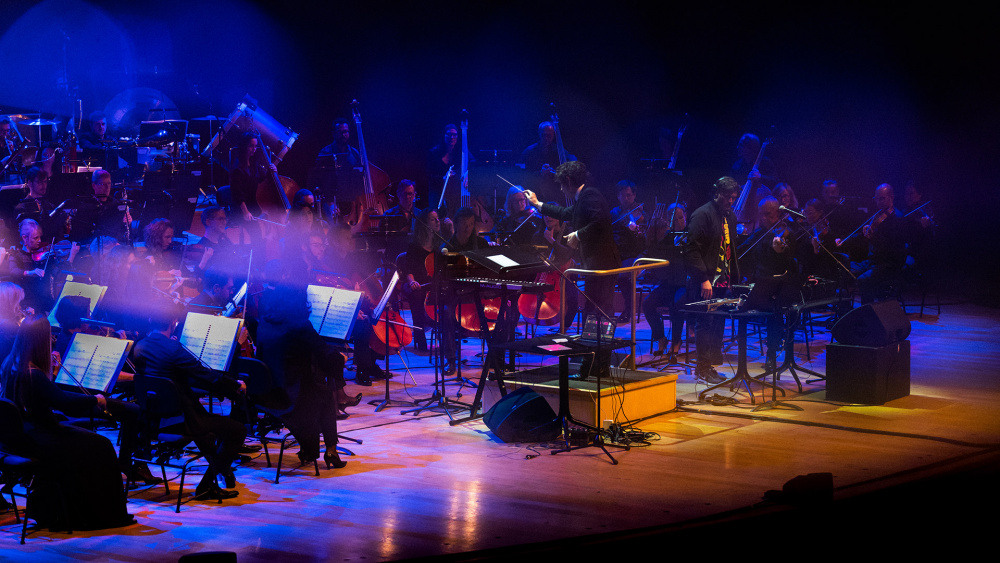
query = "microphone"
x=790 y=211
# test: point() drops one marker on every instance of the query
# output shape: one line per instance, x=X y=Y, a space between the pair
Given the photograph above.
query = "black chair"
x=260 y=397
x=160 y=408
x=16 y=468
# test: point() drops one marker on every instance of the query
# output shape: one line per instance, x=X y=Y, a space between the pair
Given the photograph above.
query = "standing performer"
x=246 y=175
x=542 y=158
x=589 y=220
x=712 y=267
x=337 y=170
x=670 y=290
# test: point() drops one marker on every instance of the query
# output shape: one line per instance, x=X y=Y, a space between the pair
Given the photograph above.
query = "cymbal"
x=40 y=122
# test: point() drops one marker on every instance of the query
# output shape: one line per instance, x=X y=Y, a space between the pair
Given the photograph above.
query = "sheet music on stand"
x=71 y=289
x=333 y=311
x=385 y=297
x=211 y=339
x=94 y=361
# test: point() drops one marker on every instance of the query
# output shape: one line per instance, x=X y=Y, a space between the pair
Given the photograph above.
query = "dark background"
x=865 y=95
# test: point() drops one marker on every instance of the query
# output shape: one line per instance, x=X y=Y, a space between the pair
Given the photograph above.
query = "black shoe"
x=352 y=402
x=142 y=473
x=213 y=492
x=341 y=415
x=229 y=479
x=624 y=318
x=248 y=449
x=709 y=376
x=333 y=460
x=449 y=368
x=363 y=380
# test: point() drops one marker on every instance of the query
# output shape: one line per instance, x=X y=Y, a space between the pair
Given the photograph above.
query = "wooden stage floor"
x=418 y=487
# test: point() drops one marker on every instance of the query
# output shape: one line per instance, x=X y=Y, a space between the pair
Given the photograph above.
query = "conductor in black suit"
x=589 y=217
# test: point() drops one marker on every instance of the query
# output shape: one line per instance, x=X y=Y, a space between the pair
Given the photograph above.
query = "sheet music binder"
x=94 y=361
x=333 y=311
x=70 y=289
x=211 y=339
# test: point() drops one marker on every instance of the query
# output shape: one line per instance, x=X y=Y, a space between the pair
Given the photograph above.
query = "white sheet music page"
x=94 y=361
x=93 y=292
x=211 y=339
x=333 y=311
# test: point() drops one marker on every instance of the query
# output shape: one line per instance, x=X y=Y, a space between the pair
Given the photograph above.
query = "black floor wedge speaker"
x=875 y=325
x=523 y=416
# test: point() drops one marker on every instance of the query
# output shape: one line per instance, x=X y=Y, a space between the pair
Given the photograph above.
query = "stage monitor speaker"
x=523 y=416
x=867 y=375
x=875 y=324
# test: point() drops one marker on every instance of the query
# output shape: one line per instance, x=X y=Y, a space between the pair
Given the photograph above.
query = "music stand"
x=376 y=315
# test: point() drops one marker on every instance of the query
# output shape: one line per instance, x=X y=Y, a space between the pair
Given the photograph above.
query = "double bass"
x=744 y=208
x=374 y=201
x=484 y=221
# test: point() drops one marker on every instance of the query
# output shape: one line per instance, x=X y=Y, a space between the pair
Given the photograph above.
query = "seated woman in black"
x=82 y=463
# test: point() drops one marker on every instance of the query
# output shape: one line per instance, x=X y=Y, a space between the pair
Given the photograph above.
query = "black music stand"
x=377 y=314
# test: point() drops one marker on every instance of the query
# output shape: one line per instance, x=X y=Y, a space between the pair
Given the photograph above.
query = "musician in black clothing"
x=541 y=160
x=589 y=220
x=887 y=238
x=416 y=279
x=520 y=223
x=218 y=437
x=712 y=268
x=337 y=169
x=629 y=240
x=31 y=267
x=403 y=216
x=37 y=206
x=97 y=147
x=670 y=290
x=466 y=237
x=769 y=252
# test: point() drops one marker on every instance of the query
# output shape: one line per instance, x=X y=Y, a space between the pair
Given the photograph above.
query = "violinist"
x=770 y=251
x=671 y=280
x=811 y=256
x=216 y=245
x=626 y=220
x=887 y=238
x=30 y=265
x=920 y=224
x=246 y=175
x=37 y=207
x=216 y=289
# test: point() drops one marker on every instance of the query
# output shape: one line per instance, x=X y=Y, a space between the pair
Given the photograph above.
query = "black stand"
x=788 y=363
x=742 y=378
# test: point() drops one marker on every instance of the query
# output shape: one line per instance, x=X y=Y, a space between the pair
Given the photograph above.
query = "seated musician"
x=81 y=463
x=248 y=172
x=216 y=244
x=769 y=251
x=406 y=194
x=887 y=236
x=30 y=266
x=36 y=205
x=560 y=256
x=112 y=221
x=416 y=278
x=628 y=238
x=814 y=260
x=73 y=314
x=520 y=223
x=466 y=237
x=218 y=437
x=307 y=372
x=216 y=289
x=670 y=290
x=357 y=272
